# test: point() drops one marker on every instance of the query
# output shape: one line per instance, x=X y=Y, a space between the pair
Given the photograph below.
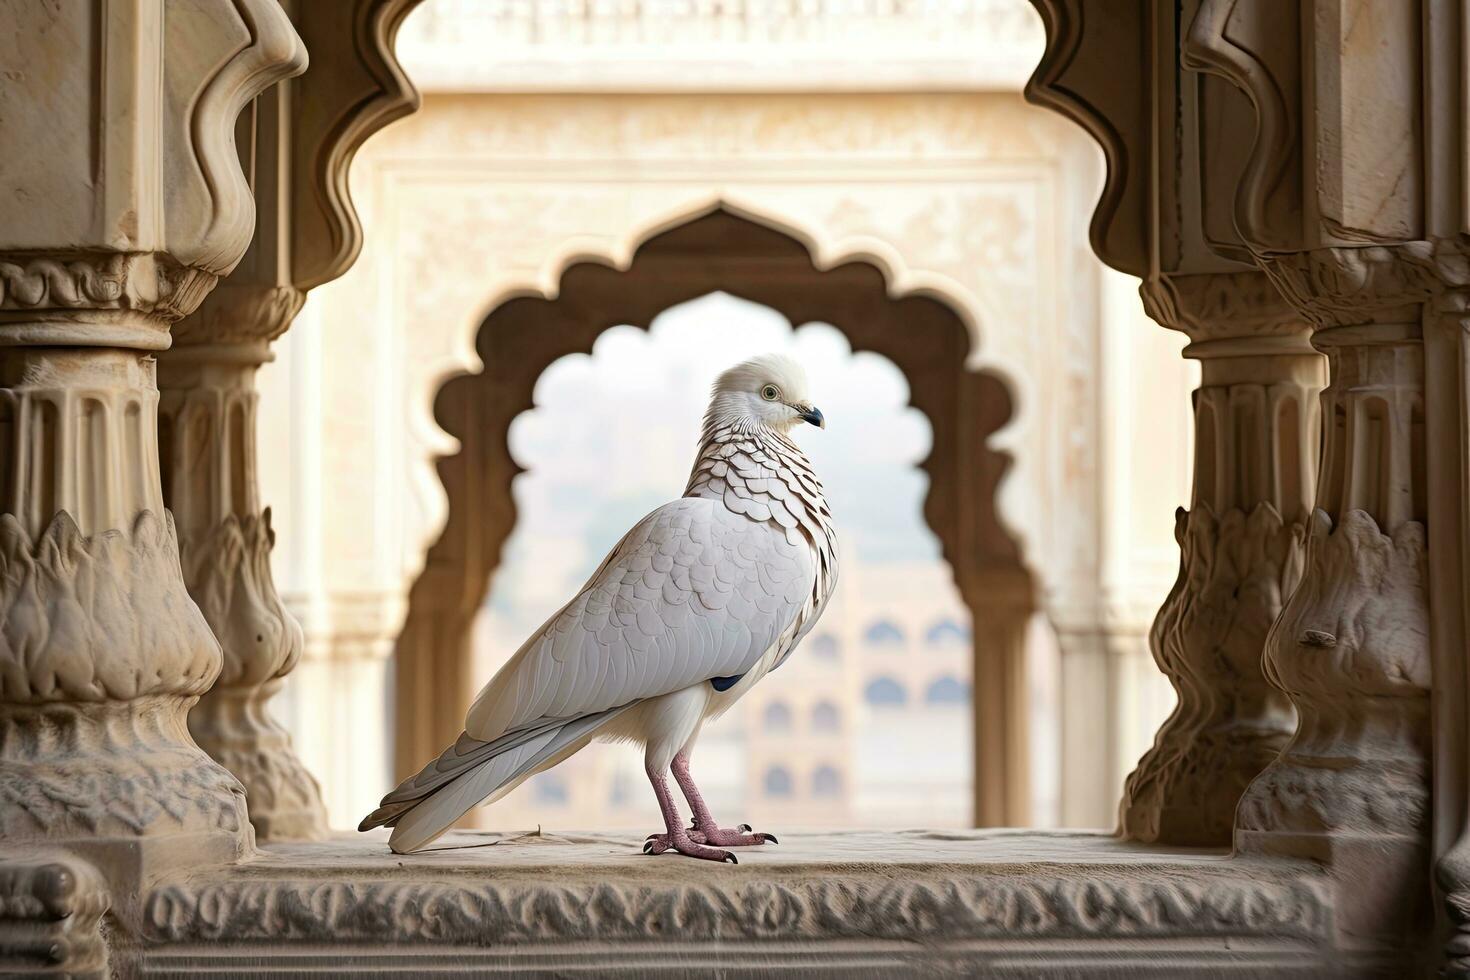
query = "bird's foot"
x=741 y=836
x=684 y=843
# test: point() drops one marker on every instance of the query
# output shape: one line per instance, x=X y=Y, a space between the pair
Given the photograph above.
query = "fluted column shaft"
x=1256 y=438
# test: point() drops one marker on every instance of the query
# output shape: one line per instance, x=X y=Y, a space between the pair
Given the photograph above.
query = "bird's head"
x=770 y=389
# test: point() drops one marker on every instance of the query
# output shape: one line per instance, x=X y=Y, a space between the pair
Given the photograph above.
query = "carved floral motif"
x=234 y=314
x=1235 y=572
x=110 y=770
x=228 y=574
x=228 y=571
x=1351 y=788
x=783 y=907
x=1231 y=304
x=101 y=656
x=101 y=280
x=1353 y=284
x=1351 y=650
x=100 y=618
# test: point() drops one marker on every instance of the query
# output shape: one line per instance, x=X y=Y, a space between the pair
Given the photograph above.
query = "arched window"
x=776 y=717
x=947 y=632
x=826 y=782
x=885 y=692
x=883 y=633
x=825 y=647
x=549 y=788
x=947 y=690
x=826 y=717
x=778 y=781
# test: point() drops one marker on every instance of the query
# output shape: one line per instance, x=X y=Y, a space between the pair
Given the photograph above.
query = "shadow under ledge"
x=849 y=904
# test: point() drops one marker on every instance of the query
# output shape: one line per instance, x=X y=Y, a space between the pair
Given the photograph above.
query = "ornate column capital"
x=147 y=120
x=1242 y=308
x=236 y=323
x=1346 y=285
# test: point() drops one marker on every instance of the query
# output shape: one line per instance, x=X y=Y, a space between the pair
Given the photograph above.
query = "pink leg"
x=676 y=838
x=705 y=830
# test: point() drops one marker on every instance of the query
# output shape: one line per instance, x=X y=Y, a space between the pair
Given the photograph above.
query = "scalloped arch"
x=719 y=245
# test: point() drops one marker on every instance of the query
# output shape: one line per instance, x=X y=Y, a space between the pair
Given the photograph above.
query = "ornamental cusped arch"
x=722 y=248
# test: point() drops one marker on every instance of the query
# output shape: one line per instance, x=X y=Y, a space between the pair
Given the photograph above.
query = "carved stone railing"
x=916 y=903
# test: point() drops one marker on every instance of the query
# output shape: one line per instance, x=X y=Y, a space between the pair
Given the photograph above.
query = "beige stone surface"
x=874 y=904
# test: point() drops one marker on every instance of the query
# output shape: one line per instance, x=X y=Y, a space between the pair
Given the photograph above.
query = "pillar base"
x=1351 y=789
x=105 y=655
x=1234 y=574
x=234 y=726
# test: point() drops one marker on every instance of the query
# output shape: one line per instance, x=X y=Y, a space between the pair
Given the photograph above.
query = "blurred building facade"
x=887 y=133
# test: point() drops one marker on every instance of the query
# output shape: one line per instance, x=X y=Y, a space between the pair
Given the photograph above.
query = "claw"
x=648 y=845
x=772 y=838
x=731 y=858
x=744 y=828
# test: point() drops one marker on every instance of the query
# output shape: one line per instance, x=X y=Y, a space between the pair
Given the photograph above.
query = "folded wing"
x=693 y=592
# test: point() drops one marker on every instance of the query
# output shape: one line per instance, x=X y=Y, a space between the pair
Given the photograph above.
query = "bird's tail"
x=470 y=771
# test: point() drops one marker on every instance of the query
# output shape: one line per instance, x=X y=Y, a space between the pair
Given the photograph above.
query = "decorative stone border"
x=864 y=897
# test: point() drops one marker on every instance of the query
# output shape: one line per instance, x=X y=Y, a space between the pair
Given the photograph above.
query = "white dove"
x=694 y=605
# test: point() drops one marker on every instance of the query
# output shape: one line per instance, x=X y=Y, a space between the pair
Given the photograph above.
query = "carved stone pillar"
x=125 y=206
x=1256 y=439
x=1167 y=215
x=207 y=435
x=1351 y=648
x=1343 y=206
x=297 y=142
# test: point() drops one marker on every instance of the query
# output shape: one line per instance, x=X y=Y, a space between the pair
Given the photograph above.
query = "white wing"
x=693 y=592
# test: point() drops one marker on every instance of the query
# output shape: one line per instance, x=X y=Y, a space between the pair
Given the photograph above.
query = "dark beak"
x=814 y=416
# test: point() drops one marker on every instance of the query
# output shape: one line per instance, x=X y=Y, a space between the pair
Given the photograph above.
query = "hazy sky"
x=613 y=436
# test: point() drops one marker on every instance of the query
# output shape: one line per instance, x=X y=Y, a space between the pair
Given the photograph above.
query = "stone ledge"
x=856 y=903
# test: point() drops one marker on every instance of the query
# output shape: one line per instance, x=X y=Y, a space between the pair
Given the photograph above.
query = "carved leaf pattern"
x=1209 y=638
x=101 y=654
x=100 y=770
x=1347 y=285
x=1351 y=650
x=810 y=907
x=228 y=575
x=148 y=282
x=228 y=571
x=99 y=618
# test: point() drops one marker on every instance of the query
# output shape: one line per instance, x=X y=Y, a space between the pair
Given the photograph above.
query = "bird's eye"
x=770 y=393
